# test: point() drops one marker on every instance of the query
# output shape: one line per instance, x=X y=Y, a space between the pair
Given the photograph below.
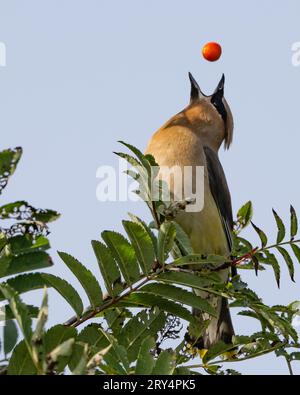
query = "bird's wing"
x=219 y=189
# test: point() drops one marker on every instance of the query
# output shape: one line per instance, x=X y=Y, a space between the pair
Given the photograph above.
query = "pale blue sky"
x=81 y=75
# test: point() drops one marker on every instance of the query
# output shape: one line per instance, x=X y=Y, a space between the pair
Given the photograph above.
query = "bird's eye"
x=217 y=102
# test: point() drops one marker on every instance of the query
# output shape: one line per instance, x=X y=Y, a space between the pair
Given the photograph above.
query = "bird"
x=193 y=138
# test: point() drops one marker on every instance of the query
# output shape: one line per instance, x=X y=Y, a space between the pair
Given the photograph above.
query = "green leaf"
x=166 y=237
x=85 y=277
x=192 y=280
x=280 y=227
x=275 y=265
x=296 y=251
x=144 y=160
x=21 y=210
x=288 y=261
x=65 y=290
x=27 y=262
x=295 y=356
x=57 y=335
x=145 y=361
x=165 y=364
x=124 y=255
x=179 y=295
x=91 y=335
x=138 y=328
x=137 y=220
x=108 y=267
x=294 y=222
x=9 y=159
x=142 y=244
x=19 y=310
x=60 y=354
x=10 y=336
x=244 y=215
x=144 y=299
x=27 y=243
x=217 y=349
x=261 y=234
x=182 y=240
x=33 y=312
x=41 y=320
x=195 y=259
x=20 y=362
x=117 y=353
x=115 y=319
x=80 y=368
x=130 y=159
x=29 y=282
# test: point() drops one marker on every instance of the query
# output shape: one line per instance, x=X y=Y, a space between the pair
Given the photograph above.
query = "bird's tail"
x=219 y=328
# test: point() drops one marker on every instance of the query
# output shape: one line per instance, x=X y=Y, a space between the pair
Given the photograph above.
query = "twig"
x=289 y=366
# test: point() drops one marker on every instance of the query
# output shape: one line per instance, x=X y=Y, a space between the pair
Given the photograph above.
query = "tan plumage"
x=193 y=138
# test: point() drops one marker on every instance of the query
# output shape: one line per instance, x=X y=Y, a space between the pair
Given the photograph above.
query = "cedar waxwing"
x=193 y=138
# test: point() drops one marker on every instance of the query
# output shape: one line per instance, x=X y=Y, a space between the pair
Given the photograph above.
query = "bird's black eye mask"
x=217 y=101
x=216 y=98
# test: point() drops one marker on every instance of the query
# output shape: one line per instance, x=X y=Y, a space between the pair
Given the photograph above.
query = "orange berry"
x=212 y=51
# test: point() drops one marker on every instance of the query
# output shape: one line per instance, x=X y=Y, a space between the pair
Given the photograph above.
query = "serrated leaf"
x=10 y=336
x=261 y=234
x=20 y=362
x=182 y=240
x=19 y=310
x=27 y=262
x=115 y=319
x=142 y=244
x=91 y=335
x=85 y=277
x=165 y=363
x=137 y=328
x=145 y=361
x=139 y=221
x=195 y=259
x=108 y=267
x=130 y=159
x=275 y=265
x=80 y=368
x=21 y=210
x=33 y=312
x=63 y=350
x=244 y=215
x=294 y=222
x=144 y=160
x=56 y=336
x=166 y=237
x=280 y=227
x=192 y=280
x=118 y=353
x=179 y=295
x=9 y=159
x=27 y=243
x=144 y=299
x=123 y=254
x=296 y=251
x=28 y=282
x=288 y=261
